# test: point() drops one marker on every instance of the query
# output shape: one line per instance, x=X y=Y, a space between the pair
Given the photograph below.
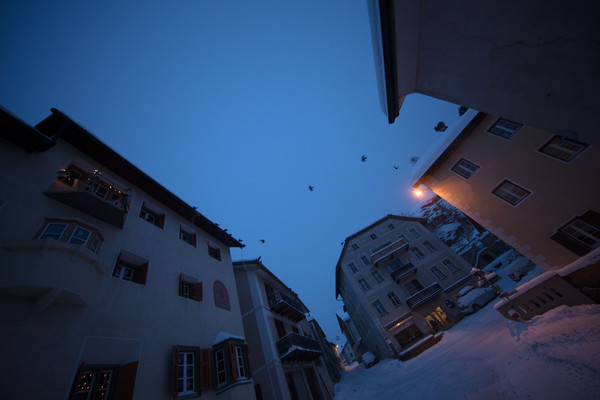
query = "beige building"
x=535 y=62
x=535 y=190
x=397 y=281
x=110 y=285
x=286 y=358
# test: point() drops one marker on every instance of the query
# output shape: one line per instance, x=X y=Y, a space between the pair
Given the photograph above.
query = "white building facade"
x=286 y=358
x=397 y=281
x=110 y=285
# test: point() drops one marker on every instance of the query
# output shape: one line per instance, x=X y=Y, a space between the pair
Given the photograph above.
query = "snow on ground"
x=485 y=356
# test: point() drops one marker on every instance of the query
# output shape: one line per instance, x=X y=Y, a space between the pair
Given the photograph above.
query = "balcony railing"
x=388 y=253
x=286 y=306
x=424 y=295
x=91 y=194
x=295 y=347
x=403 y=272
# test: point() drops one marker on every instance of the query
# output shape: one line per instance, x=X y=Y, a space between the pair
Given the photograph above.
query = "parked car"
x=369 y=359
x=472 y=299
x=519 y=268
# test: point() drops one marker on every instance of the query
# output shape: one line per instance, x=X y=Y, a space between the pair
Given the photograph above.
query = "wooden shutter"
x=207 y=369
x=161 y=220
x=249 y=373
x=180 y=285
x=197 y=291
x=126 y=381
x=233 y=362
x=174 y=371
x=194 y=240
x=141 y=273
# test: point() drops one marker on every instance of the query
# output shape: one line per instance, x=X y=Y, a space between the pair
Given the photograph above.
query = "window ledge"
x=242 y=381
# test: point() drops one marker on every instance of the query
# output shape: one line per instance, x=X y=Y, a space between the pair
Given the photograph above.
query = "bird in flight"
x=395 y=167
x=363 y=158
x=262 y=240
x=311 y=188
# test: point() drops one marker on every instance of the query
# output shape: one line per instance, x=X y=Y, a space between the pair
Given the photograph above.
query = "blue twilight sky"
x=236 y=107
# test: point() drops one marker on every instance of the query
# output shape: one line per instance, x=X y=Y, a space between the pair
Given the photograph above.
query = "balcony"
x=49 y=272
x=389 y=253
x=424 y=295
x=294 y=347
x=91 y=194
x=403 y=272
x=286 y=306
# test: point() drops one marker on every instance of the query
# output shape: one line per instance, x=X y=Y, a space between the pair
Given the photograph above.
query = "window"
x=93 y=383
x=394 y=299
x=73 y=232
x=281 y=332
x=581 y=234
x=364 y=284
x=379 y=307
x=130 y=267
x=153 y=217
x=510 y=192
x=377 y=276
x=365 y=260
x=414 y=232
x=438 y=274
x=80 y=236
x=214 y=252
x=231 y=363
x=188 y=237
x=190 y=288
x=354 y=246
x=563 y=148
x=504 y=128
x=192 y=371
x=391 y=227
x=402 y=237
x=373 y=236
x=53 y=231
x=465 y=168
x=353 y=267
x=417 y=252
x=429 y=246
x=451 y=267
x=221 y=296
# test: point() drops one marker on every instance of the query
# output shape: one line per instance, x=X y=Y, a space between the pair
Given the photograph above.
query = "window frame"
x=228 y=367
x=391 y=227
x=574 y=155
x=373 y=236
x=77 y=227
x=188 y=237
x=438 y=273
x=70 y=227
x=64 y=224
x=137 y=264
x=353 y=267
x=394 y=299
x=364 y=284
x=417 y=252
x=497 y=124
x=92 y=389
x=570 y=241
x=454 y=268
x=355 y=246
x=378 y=306
x=462 y=171
x=429 y=246
x=158 y=218
x=499 y=187
x=377 y=276
x=214 y=252
x=415 y=232
x=365 y=260
x=193 y=286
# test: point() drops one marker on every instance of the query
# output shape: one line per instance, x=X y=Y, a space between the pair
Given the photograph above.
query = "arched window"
x=221 y=295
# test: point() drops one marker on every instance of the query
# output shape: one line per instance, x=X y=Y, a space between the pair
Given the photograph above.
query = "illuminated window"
x=510 y=192
x=504 y=128
x=563 y=148
x=465 y=168
x=93 y=383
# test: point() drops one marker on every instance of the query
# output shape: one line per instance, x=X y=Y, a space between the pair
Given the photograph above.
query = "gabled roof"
x=389 y=216
x=59 y=126
x=258 y=264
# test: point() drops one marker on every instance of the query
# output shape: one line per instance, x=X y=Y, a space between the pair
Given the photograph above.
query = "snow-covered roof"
x=434 y=152
x=590 y=258
x=223 y=336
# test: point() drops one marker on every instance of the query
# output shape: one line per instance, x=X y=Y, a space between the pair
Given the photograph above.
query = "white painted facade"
x=387 y=288
x=284 y=355
x=61 y=305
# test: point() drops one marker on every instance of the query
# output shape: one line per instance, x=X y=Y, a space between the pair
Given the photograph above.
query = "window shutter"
x=197 y=291
x=126 y=381
x=161 y=220
x=77 y=373
x=207 y=370
x=591 y=217
x=180 y=285
x=233 y=360
x=194 y=240
x=141 y=273
x=249 y=373
x=174 y=370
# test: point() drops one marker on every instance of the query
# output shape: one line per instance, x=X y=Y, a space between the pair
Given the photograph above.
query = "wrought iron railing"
x=403 y=271
x=294 y=341
x=424 y=295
